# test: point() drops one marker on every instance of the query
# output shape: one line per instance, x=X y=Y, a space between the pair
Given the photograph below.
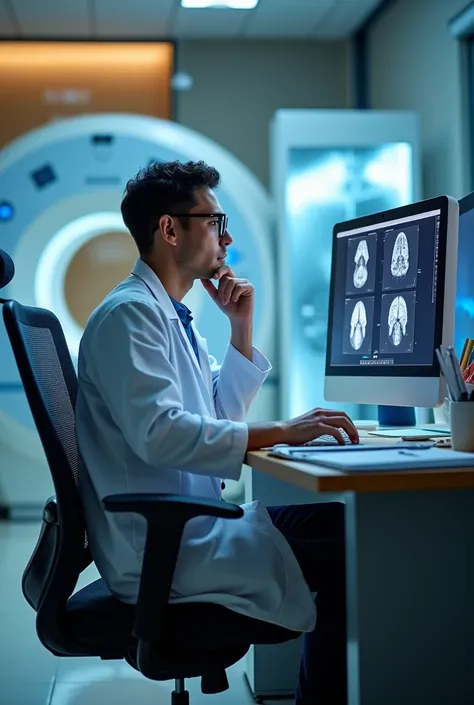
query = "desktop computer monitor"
x=391 y=304
x=464 y=321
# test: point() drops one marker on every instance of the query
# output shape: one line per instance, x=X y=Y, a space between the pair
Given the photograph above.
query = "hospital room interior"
x=343 y=134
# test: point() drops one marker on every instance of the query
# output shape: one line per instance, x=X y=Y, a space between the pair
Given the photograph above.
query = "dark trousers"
x=315 y=532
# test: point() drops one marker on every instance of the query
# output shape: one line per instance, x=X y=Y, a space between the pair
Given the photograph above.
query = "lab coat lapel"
x=147 y=275
x=204 y=364
x=201 y=366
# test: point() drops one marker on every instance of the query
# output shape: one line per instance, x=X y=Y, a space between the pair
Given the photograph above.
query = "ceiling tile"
x=52 y=18
x=286 y=17
x=155 y=19
x=134 y=18
x=344 y=18
x=7 y=28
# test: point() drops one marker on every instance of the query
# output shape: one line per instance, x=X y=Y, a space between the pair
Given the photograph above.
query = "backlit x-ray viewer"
x=382 y=339
x=464 y=323
x=60 y=192
x=330 y=166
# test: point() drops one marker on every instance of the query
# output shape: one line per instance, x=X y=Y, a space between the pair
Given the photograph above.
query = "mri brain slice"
x=397 y=320
x=400 y=257
x=361 y=259
x=358 y=325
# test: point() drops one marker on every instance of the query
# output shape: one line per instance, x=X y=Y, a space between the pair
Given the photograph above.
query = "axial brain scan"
x=397 y=320
x=400 y=256
x=358 y=325
x=361 y=260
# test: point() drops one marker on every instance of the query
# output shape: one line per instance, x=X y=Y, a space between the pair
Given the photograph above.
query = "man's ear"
x=166 y=229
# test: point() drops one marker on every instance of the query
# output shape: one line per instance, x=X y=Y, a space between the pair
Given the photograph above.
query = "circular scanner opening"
x=95 y=269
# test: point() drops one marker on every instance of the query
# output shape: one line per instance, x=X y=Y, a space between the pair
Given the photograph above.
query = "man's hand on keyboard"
x=317 y=423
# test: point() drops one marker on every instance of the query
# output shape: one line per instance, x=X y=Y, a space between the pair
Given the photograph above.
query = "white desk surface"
x=317 y=478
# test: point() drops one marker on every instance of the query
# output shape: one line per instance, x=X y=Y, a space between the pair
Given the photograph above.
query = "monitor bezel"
x=441 y=203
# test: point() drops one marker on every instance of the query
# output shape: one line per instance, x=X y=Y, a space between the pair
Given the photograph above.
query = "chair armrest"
x=166 y=516
x=147 y=503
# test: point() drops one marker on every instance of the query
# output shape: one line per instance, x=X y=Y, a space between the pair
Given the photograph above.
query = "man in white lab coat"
x=155 y=413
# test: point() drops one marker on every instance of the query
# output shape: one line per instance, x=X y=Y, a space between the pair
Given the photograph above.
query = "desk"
x=410 y=579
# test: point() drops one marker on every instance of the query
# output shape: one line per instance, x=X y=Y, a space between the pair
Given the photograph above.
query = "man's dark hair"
x=160 y=189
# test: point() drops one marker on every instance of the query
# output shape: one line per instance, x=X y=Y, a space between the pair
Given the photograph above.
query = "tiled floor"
x=30 y=675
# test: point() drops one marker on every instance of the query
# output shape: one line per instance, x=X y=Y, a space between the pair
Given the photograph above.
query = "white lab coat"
x=150 y=417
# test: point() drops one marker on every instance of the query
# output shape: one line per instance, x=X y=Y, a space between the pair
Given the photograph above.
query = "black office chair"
x=163 y=641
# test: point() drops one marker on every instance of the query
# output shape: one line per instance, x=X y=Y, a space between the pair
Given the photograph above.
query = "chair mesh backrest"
x=48 y=373
x=50 y=383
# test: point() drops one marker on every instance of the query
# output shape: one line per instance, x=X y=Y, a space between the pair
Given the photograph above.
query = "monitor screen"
x=387 y=297
x=464 y=322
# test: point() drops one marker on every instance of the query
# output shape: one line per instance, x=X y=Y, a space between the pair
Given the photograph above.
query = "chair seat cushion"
x=98 y=620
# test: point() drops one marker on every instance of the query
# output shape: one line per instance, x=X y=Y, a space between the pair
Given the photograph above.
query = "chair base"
x=181 y=698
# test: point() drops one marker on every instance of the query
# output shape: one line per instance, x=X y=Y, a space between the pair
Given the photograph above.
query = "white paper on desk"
x=408 y=433
x=383 y=460
x=294 y=452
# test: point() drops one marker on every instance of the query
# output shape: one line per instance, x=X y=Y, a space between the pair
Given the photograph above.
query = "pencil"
x=467 y=353
x=468 y=373
x=463 y=353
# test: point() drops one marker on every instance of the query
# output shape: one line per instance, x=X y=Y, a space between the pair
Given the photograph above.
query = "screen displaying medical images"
x=358 y=325
x=361 y=264
x=397 y=322
x=400 y=259
x=399 y=328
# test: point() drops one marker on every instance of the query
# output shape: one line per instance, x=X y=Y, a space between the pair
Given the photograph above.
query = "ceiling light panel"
x=225 y=4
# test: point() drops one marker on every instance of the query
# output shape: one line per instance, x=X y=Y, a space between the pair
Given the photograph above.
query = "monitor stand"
x=396 y=416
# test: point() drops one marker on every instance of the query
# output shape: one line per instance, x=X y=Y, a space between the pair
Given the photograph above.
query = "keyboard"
x=328 y=440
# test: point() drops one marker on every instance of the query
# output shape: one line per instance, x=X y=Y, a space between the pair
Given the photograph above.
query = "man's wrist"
x=263 y=435
x=241 y=338
x=238 y=324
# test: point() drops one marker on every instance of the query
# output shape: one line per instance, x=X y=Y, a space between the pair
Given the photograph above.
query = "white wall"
x=238 y=85
x=416 y=64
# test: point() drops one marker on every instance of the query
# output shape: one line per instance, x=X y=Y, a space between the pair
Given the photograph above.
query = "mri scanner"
x=60 y=192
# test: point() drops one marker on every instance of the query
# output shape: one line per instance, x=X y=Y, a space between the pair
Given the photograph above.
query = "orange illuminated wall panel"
x=45 y=81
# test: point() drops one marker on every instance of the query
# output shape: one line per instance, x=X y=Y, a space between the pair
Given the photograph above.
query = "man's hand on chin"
x=235 y=297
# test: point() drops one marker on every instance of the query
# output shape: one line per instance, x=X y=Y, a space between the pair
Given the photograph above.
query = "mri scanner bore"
x=60 y=192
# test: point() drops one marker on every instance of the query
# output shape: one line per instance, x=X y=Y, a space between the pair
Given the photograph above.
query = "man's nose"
x=227 y=238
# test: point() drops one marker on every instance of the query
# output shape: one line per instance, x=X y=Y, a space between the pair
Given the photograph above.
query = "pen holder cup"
x=462 y=425
x=469 y=387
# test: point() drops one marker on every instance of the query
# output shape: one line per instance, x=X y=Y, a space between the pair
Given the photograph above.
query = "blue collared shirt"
x=185 y=317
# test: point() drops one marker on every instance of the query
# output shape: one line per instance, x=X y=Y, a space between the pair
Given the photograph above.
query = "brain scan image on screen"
x=361 y=263
x=360 y=277
x=358 y=325
x=397 y=322
x=400 y=259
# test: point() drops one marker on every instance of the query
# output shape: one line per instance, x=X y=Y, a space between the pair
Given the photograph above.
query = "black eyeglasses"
x=221 y=217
